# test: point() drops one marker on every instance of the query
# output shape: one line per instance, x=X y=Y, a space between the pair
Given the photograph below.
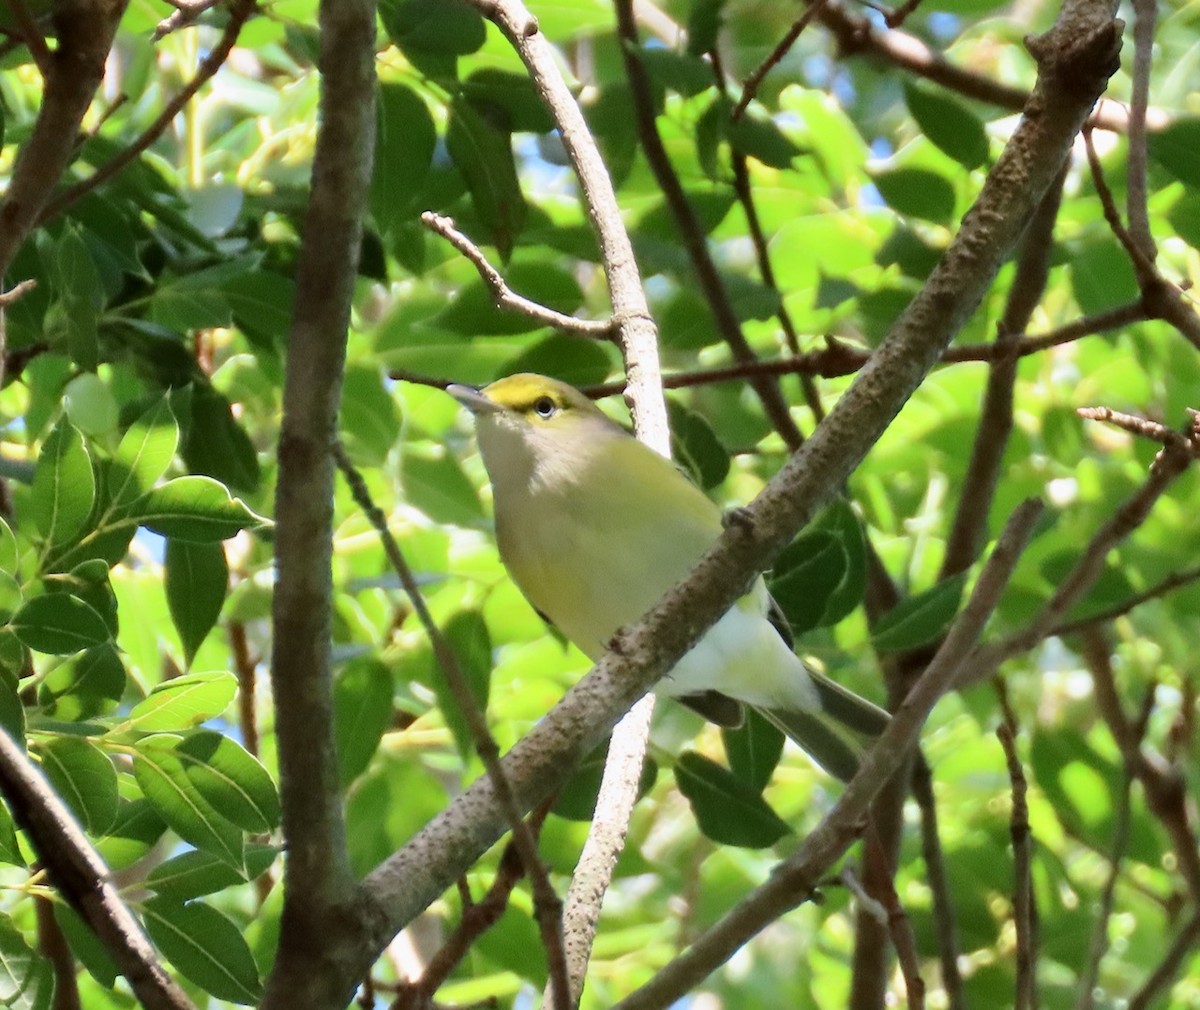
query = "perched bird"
x=594 y=527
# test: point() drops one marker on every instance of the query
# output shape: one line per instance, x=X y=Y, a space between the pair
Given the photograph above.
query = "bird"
x=594 y=527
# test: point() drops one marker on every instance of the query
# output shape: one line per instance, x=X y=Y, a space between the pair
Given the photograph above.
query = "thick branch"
x=85 y=34
x=81 y=877
x=319 y=885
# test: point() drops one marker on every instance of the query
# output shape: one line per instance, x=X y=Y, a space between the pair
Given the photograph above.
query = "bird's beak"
x=473 y=399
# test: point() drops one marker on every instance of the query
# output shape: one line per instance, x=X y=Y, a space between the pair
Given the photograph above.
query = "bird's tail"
x=835 y=736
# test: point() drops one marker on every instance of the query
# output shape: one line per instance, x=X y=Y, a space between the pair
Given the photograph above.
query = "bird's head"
x=534 y=427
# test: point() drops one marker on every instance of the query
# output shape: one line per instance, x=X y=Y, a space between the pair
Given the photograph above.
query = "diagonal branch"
x=81 y=877
x=795 y=879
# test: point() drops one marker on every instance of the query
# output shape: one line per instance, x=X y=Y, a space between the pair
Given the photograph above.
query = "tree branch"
x=1170 y=966
x=504 y=296
x=212 y=62
x=82 y=878
x=794 y=879
x=546 y=903
x=319 y=890
x=1024 y=909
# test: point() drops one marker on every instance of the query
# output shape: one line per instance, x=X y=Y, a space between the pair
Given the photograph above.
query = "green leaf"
x=578 y=362
x=704 y=22
x=197 y=579
x=404 y=142
x=10 y=850
x=753 y=749
x=949 y=124
x=806 y=576
x=90 y=684
x=728 y=810
x=231 y=779
x=682 y=73
x=369 y=419
x=194 y=874
x=483 y=153
x=576 y=800
x=362 y=712
x=217 y=445
x=207 y=948
x=12 y=711
x=921 y=618
x=59 y=624
x=64 y=486
x=92 y=954
x=164 y=781
x=184 y=702
x=438 y=487
x=840 y=519
x=84 y=776
x=81 y=296
x=134 y=833
x=195 y=509
x=514 y=94
x=446 y=27
x=8 y=549
x=1175 y=149
x=695 y=446
x=144 y=453
x=467 y=635
x=1102 y=276
x=26 y=979
x=90 y=405
x=917 y=192
x=760 y=138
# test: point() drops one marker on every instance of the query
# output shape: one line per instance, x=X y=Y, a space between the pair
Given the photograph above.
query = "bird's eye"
x=544 y=407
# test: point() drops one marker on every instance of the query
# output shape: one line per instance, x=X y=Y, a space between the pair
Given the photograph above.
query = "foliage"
x=141 y=408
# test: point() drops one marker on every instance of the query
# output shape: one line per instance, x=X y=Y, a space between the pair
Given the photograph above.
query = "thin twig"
x=794 y=880
x=504 y=296
x=944 y=917
x=212 y=62
x=1145 y=428
x=53 y=945
x=1168 y=465
x=712 y=287
x=896 y=920
x=547 y=905
x=1169 y=967
x=752 y=83
x=184 y=14
x=868 y=904
x=1159 y=589
x=1024 y=907
x=31 y=35
x=246 y=667
x=477 y=918
x=81 y=877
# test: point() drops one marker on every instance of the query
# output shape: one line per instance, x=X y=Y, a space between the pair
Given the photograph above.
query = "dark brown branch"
x=1159 y=589
x=968 y=531
x=81 y=877
x=1168 y=465
x=504 y=296
x=1164 y=785
x=477 y=918
x=31 y=35
x=1136 y=204
x=1024 y=908
x=1169 y=967
x=320 y=892
x=85 y=35
x=858 y=37
x=691 y=234
x=944 y=917
x=246 y=668
x=53 y=946
x=896 y=921
x=547 y=906
x=212 y=62
x=752 y=83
